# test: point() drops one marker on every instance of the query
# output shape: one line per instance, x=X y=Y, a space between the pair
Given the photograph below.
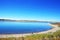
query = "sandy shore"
x=54 y=29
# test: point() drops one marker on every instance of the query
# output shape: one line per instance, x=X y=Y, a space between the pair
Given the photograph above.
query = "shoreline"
x=54 y=29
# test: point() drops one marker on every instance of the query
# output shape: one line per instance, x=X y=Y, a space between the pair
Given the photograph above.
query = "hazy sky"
x=30 y=9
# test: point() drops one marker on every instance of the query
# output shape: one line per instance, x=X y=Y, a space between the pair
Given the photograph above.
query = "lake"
x=22 y=27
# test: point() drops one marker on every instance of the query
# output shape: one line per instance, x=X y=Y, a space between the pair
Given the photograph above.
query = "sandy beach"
x=54 y=29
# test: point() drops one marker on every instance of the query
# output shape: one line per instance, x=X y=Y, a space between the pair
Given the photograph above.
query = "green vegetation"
x=48 y=36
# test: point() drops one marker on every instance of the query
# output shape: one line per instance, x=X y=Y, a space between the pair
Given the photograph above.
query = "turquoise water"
x=22 y=27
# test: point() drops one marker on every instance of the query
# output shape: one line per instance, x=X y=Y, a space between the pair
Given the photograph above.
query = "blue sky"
x=30 y=9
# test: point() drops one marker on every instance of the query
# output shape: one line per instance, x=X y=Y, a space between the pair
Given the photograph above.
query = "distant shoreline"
x=11 y=20
x=54 y=29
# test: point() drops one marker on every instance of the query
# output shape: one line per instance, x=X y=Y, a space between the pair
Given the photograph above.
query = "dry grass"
x=48 y=36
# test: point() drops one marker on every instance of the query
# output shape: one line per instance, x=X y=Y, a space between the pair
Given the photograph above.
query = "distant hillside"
x=6 y=20
x=56 y=24
x=28 y=21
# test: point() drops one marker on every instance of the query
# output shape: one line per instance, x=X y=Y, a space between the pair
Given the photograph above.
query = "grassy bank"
x=48 y=36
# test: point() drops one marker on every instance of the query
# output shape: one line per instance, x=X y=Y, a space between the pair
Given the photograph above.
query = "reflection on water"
x=22 y=27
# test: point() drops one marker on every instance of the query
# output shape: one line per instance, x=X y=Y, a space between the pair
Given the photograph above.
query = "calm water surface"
x=22 y=27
